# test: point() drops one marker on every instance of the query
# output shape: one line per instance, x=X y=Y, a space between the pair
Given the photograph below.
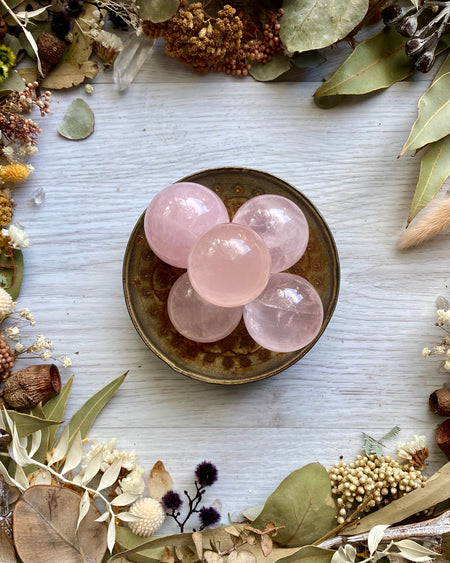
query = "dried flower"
x=18 y=238
x=19 y=129
x=172 y=500
x=6 y=304
x=152 y=517
x=15 y=172
x=414 y=452
x=7 y=358
x=7 y=57
x=6 y=205
x=206 y=473
x=208 y=517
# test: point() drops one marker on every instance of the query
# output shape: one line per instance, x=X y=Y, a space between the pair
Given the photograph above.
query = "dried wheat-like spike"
x=437 y=221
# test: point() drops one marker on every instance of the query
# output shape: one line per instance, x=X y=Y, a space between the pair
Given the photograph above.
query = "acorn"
x=440 y=402
x=443 y=437
x=33 y=385
x=51 y=51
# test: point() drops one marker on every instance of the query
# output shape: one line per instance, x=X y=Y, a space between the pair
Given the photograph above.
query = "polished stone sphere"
x=177 y=216
x=195 y=318
x=280 y=223
x=229 y=265
x=286 y=316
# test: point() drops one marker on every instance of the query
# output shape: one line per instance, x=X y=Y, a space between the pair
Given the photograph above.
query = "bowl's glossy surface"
x=237 y=358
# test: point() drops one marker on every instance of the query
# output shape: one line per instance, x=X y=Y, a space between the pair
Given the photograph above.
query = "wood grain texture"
x=365 y=373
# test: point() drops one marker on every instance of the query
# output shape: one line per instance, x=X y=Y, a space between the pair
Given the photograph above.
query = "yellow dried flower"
x=152 y=516
x=5 y=210
x=15 y=172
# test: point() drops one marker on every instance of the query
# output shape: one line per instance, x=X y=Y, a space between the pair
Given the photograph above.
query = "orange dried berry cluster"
x=227 y=43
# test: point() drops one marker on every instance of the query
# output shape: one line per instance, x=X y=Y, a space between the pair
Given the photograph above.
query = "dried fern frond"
x=437 y=221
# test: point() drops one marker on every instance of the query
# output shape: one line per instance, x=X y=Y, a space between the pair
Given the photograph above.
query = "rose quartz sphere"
x=197 y=319
x=177 y=216
x=286 y=316
x=229 y=265
x=280 y=223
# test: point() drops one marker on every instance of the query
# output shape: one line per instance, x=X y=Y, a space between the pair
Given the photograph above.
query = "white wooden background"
x=365 y=373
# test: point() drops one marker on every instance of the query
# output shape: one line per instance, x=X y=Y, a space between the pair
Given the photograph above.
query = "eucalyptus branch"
x=244 y=542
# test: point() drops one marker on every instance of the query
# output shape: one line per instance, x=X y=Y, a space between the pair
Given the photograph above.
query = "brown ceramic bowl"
x=237 y=358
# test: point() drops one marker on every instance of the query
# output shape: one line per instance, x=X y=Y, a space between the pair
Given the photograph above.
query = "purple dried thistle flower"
x=208 y=516
x=171 y=500
x=206 y=473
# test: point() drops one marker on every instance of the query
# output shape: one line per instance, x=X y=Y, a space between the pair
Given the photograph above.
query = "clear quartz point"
x=38 y=196
x=130 y=60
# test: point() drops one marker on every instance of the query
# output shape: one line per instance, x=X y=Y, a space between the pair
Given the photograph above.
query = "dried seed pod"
x=51 y=51
x=440 y=402
x=33 y=385
x=443 y=437
x=5 y=439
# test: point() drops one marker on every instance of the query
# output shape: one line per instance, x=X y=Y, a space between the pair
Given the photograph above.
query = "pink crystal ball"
x=229 y=265
x=177 y=216
x=282 y=226
x=286 y=316
x=195 y=318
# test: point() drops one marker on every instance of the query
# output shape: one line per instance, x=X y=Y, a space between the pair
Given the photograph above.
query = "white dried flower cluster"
x=133 y=481
x=381 y=480
x=6 y=304
x=152 y=517
x=443 y=348
x=406 y=450
x=17 y=236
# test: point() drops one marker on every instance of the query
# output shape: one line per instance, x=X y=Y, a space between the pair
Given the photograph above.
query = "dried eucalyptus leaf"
x=434 y=170
x=308 y=59
x=55 y=408
x=103 y=517
x=253 y=512
x=433 y=121
x=303 y=504
x=45 y=521
x=266 y=545
x=78 y=121
x=159 y=481
x=111 y=538
x=157 y=10
x=198 y=542
x=12 y=83
x=28 y=74
x=13 y=43
x=85 y=416
x=313 y=24
x=232 y=530
x=12 y=269
x=80 y=48
x=436 y=490
x=185 y=554
x=74 y=455
x=28 y=423
x=85 y=504
x=36 y=438
x=278 y=65
x=66 y=75
x=7 y=553
x=124 y=499
x=212 y=557
x=128 y=517
x=167 y=556
x=375 y=536
x=21 y=478
x=110 y=476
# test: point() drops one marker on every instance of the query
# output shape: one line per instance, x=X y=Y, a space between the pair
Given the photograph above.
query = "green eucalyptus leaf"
x=308 y=59
x=376 y=63
x=12 y=269
x=313 y=24
x=85 y=416
x=55 y=408
x=27 y=423
x=12 y=83
x=277 y=66
x=436 y=490
x=434 y=170
x=433 y=121
x=157 y=10
x=443 y=69
x=78 y=121
x=303 y=504
x=11 y=3
x=41 y=453
x=253 y=512
x=13 y=43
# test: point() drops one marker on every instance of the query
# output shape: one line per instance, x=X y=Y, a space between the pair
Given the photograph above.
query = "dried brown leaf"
x=167 y=556
x=232 y=558
x=251 y=539
x=159 y=481
x=198 y=542
x=66 y=75
x=245 y=556
x=266 y=545
x=45 y=521
x=185 y=554
x=80 y=48
x=212 y=557
x=232 y=530
x=29 y=74
x=7 y=553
